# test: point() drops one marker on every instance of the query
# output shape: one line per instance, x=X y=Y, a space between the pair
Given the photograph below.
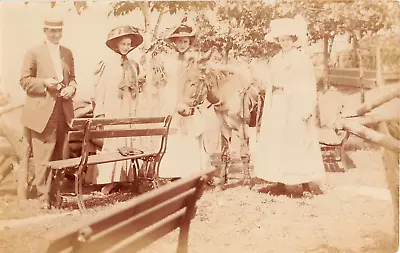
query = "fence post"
x=379 y=75
x=326 y=63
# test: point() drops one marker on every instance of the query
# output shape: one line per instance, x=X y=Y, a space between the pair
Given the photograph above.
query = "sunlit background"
x=85 y=34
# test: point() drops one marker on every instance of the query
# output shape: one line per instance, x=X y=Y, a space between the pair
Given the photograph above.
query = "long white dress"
x=185 y=153
x=110 y=103
x=288 y=150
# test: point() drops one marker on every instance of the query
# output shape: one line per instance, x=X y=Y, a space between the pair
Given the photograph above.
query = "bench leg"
x=154 y=168
x=54 y=197
x=189 y=215
x=183 y=241
x=148 y=174
x=49 y=186
x=183 y=246
x=78 y=191
x=157 y=175
x=135 y=164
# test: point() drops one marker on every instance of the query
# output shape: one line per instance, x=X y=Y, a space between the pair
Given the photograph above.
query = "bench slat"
x=393 y=75
x=80 y=123
x=351 y=81
x=134 y=206
x=116 y=133
x=352 y=72
x=146 y=237
x=98 y=159
x=127 y=228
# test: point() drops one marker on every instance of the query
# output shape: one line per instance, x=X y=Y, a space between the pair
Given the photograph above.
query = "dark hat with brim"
x=118 y=33
x=180 y=32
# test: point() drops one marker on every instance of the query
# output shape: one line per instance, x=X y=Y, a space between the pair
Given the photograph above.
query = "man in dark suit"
x=48 y=78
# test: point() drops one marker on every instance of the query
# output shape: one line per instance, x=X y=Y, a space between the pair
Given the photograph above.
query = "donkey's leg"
x=225 y=158
x=205 y=158
x=244 y=155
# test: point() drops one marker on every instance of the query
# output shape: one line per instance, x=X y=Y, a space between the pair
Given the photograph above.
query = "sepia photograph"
x=229 y=126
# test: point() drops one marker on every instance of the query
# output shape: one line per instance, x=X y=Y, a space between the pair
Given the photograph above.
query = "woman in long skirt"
x=185 y=153
x=116 y=96
x=288 y=151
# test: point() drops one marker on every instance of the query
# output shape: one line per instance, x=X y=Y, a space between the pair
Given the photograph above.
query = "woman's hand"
x=4 y=98
x=51 y=84
x=100 y=116
x=307 y=117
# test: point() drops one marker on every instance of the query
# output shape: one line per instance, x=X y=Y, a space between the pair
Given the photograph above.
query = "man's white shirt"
x=54 y=50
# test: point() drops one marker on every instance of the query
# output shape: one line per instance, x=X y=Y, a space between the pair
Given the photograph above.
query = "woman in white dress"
x=185 y=153
x=288 y=151
x=116 y=96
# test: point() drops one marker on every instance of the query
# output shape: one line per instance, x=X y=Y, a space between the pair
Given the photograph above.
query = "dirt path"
x=353 y=215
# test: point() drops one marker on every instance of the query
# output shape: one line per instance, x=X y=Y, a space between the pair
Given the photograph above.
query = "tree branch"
x=158 y=23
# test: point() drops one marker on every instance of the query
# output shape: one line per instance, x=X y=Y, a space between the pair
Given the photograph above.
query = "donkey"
x=237 y=102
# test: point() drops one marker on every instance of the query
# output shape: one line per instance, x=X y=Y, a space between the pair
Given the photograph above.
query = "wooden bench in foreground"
x=138 y=222
x=88 y=130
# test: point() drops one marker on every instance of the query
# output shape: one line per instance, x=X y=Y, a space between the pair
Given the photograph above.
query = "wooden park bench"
x=332 y=144
x=89 y=130
x=138 y=222
x=351 y=77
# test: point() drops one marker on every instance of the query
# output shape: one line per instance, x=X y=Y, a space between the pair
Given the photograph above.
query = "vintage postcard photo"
x=199 y=126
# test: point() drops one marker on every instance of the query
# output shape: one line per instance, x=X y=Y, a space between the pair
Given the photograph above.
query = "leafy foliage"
x=390 y=51
x=239 y=26
x=331 y=17
x=171 y=7
x=79 y=5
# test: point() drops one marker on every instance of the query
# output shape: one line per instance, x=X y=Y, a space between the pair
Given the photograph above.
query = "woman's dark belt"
x=276 y=89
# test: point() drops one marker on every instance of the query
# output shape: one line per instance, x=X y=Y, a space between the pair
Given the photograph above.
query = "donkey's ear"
x=207 y=56
x=191 y=61
x=203 y=69
x=202 y=61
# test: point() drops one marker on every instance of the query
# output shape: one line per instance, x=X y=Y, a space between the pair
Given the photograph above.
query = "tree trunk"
x=391 y=161
x=325 y=78
x=361 y=69
x=226 y=54
x=22 y=186
x=331 y=46
x=158 y=24
x=380 y=81
x=17 y=142
x=367 y=107
x=383 y=140
x=326 y=63
x=373 y=119
x=228 y=48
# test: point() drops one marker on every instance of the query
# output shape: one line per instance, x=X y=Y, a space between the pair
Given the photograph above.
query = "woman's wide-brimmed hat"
x=120 y=32
x=180 y=31
x=287 y=27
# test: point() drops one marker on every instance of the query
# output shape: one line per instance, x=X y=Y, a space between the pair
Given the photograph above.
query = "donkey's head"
x=198 y=84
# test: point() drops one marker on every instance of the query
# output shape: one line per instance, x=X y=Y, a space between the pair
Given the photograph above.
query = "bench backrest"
x=114 y=127
x=137 y=223
x=91 y=130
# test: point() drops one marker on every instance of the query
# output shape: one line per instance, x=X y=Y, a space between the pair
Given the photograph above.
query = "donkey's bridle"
x=197 y=100
x=207 y=86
